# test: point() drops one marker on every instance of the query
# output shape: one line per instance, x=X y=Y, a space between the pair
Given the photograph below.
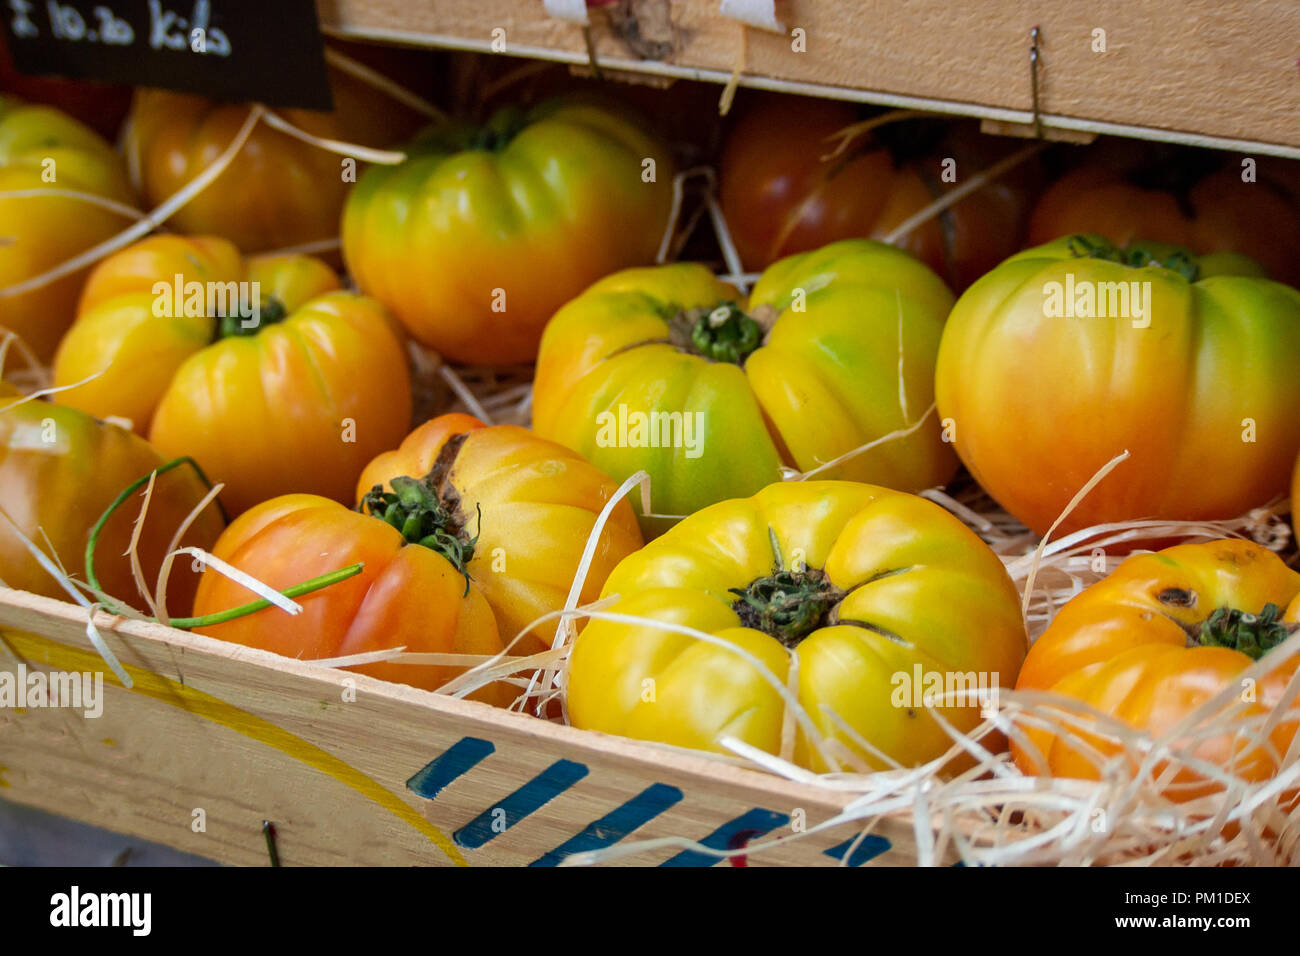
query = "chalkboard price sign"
x=242 y=50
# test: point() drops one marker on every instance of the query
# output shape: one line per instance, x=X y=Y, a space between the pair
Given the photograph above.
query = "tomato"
x=60 y=469
x=298 y=398
x=1159 y=637
x=41 y=148
x=531 y=504
x=1127 y=195
x=279 y=191
x=780 y=196
x=870 y=591
x=482 y=234
x=636 y=373
x=1200 y=388
x=407 y=594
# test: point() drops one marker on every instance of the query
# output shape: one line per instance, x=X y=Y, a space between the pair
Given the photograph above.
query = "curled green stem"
x=306 y=587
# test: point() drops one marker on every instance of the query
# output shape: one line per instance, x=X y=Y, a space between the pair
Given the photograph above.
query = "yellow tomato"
x=873 y=593
x=295 y=395
x=44 y=149
x=670 y=370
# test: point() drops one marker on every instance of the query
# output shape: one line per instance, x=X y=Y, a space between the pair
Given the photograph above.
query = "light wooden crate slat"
x=1212 y=72
x=396 y=776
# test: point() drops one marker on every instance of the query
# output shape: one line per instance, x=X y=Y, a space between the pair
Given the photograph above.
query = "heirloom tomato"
x=781 y=193
x=263 y=371
x=1071 y=353
x=1128 y=192
x=482 y=234
x=670 y=370
x=43 y=149
x=411 y=592
x=531 y=505
x=872 y=593
x=279 y=191
x=60 y=469
x=1162 y=635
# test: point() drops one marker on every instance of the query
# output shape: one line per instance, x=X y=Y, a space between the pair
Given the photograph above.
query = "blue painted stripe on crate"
x=544 y=787
x=616 y=824
x=748 y=826
x=870 y=848
x=454 y=762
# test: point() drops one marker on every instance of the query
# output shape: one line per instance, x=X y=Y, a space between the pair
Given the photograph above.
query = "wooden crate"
x=1219 y=73
x=353 y=770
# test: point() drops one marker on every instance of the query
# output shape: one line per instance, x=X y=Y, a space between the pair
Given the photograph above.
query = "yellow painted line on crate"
x=64 y=657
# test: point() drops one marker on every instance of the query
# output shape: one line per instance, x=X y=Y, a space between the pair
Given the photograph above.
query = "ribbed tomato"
x=482 y=234
x=780 y=200
x=887 y=604
x=408 y=594
x=1072 y=353
x=60 y=469
x=530 y=504
x=1163 y=634
x=670 y=370
x=279 y=191
x=43 y=149
x=295 y=395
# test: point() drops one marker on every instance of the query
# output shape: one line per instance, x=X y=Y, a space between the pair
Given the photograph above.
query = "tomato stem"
x=91 y=578
x=1252 y=634
x=235 y=325
x=1135 y=256
x=724 y=333
x=306 y=587
x=414 y=508
x=786 y=604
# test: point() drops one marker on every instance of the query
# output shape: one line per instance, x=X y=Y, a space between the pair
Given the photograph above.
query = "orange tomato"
x=531 y=505
x=1163 y=634
x=296 y=394
x=407 y=595
x=1127 y=193
x=279 y=191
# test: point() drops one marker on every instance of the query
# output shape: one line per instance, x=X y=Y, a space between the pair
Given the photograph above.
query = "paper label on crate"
x=574 y=11
x=239 y=50
x=756 y=13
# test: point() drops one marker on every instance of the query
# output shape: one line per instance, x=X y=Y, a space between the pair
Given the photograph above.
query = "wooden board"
x=1211 y=72
x=352 y=770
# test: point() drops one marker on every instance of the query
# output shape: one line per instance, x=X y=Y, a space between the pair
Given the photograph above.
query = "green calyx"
x=499 y=131
x=724 y=333
x=1252 y=634
x=269 y=313
x=1136 y=256
x=787 y=604
x=415 y=509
